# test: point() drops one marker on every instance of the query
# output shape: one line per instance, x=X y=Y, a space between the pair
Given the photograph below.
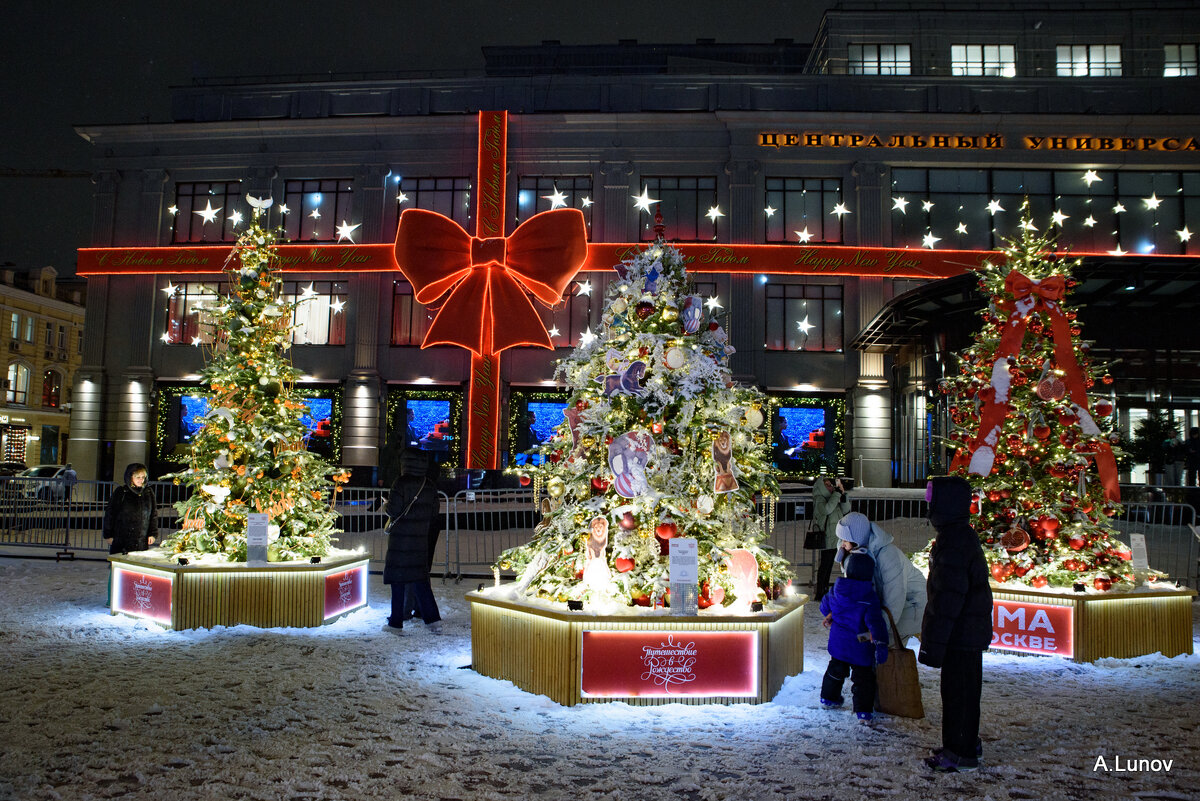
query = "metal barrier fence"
x=479 y=525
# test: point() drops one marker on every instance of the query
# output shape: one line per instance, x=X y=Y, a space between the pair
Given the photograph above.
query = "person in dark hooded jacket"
x=413 y=528
x=857 y=636
x=131 y=518
x=957 y=625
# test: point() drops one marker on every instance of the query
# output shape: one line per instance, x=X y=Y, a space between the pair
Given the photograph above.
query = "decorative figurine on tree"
x=657 y=442
x=1029 y=437
x=250 y=455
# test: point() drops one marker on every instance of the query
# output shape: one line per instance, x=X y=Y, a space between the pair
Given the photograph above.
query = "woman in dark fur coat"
x=957 y=626
x=413 y=528
x=131 y=518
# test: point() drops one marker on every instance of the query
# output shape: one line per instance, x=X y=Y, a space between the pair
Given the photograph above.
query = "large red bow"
x=490 y=276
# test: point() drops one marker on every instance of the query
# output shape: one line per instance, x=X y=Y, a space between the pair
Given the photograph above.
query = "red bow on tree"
x=488 y=278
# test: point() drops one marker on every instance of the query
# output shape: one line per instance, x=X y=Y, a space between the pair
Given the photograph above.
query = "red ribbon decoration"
x=488 y=278
x=1041 y=296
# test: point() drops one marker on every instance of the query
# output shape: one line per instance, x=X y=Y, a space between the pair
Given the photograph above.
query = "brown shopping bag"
x=899 y=687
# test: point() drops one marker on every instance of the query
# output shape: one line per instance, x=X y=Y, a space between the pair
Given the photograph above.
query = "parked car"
x=43 y=481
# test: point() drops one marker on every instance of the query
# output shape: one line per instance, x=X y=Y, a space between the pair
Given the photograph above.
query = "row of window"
x=24 y=327
x=1139 y=210
x=1000 y=60
x=17 y=386
x=798 y=316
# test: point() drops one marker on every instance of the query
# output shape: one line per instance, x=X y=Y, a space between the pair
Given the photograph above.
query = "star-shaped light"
x=337 y=306
x=1057 y=217
x=1119 y=208
x=994 y=207
x=804 y=235
x=172 y=210
x=401 y=198
x=316 y=214
x=805 y=326
x=283 y=209
x=236 y=218
x=309 y=292
x=769 y=211
x=345 y=230
x=1117 y=252
x=1152 y=202
x=1089 y=222
x=713 y=213
x=840 y=210
x=712 y=305
x=585 y=201
x=930 y=240
x=1184 y=234
x=557 y=201
x=644 y=201
x=900 y=204
x=1090 y=177
x=166 y=337
x=926 y=205
x=170 y=289
x=553 y=332
x=1027 y=225
x=585 y=288
x=587 y=337
x=208 y=214
x=196 y=340
x=962 y=228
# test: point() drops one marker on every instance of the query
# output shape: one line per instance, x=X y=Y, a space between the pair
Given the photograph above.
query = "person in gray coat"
x=829 y=506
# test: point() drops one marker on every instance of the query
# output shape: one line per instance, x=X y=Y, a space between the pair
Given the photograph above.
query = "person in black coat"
x=957 y=626
x=131 y=518
x=413 y=528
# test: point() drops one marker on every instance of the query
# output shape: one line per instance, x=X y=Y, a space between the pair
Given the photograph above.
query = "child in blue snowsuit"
x=857 y=636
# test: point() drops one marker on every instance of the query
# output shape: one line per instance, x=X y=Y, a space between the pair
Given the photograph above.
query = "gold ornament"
x=669 y=314
x=555 y=488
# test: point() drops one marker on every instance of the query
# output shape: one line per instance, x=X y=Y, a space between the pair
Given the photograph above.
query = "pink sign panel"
x=625 y=664
x=345 y=591
x=1033 y=628
x=142 y=595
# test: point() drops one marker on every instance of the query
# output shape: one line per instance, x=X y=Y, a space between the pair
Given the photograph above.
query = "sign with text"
x=345 y=591
x=1033 y=628
x=1137 y=550
x=684 y=561
x=684 y=664
x=142 y=595
x=256 y=537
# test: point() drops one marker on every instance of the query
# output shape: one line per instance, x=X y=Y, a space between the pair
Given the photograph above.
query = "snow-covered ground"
x=94 y=706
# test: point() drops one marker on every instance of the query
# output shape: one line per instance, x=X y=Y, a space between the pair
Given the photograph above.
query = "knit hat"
x=854 y=527
x=860 y=566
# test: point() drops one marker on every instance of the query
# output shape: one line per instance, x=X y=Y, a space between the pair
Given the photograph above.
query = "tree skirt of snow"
x=95 y=706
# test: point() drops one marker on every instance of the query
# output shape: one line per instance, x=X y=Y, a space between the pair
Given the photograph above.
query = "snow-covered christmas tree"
x=250 y=454
x=1028 y=431
x=657 y=442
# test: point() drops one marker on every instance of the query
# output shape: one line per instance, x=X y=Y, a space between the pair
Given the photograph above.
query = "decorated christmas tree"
x=1031 y=430
x=250 y=455
x=657 y=442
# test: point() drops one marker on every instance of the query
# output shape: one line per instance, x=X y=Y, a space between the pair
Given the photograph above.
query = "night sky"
x=70 y=63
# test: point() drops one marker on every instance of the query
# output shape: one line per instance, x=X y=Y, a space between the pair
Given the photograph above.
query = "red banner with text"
x=1033 y=628
x=709 y=664
x=142 y=595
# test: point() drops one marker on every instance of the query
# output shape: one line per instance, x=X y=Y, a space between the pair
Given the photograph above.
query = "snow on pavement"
x=95 y=706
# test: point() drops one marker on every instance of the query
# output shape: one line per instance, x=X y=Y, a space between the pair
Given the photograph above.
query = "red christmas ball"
x=1041 y=431
x=600 y=484
x=1022 y=570
x=627 y=521
x=1102 y=583
x=525 y=481
x=555 y=457
x=1103 y=407
x=641 y=599
x=666 y=529
x=1038 y=581
x=993 y=495
x=622 y=564
x=998 y=571
x=1076 y=543
x=1066 y=418
x=1015 y=540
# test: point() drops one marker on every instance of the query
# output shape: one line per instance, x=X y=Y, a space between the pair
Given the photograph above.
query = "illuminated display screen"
x=317 y=417
x=537 y=426
x=429 y=424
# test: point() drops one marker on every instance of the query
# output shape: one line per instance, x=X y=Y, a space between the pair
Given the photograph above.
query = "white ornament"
x=704 y=504
x=675 y=358
x=754 y=417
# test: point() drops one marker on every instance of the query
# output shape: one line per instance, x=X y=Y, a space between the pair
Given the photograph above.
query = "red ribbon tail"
x=516 y=320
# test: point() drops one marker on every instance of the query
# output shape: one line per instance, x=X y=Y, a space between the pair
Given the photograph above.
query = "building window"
x=189 y=321
x=988 y=60
x=51 y=388
x=316 y=208
x=800 y=210
x=572 y=316
x=79 y=342
x=18 y=383
x=410 y=320
x=196 y=202
x=49 y=335
x=62 y=337
x=1180 y=60
x=319 y=317
x=684 y=203
x=879 y=59
x=29 y=322
x=536 y=193
x=448 y=196
x=1095 y=61
x=16 y=325
x=804 y=317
